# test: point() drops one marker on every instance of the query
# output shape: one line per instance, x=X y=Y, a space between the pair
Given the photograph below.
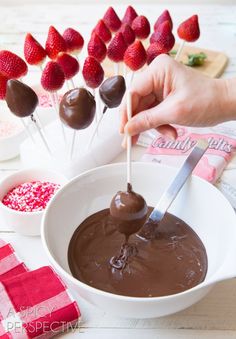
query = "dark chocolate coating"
x=21 y=99
x=129 y=209
x=77 y=108
x=112 y=91
x=174 y=261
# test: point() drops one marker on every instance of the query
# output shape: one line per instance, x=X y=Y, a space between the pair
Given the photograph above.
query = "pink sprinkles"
x=30 y=196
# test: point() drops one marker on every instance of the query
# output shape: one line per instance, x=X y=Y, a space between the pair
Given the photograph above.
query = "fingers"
x=144 y=103
x=147 y=119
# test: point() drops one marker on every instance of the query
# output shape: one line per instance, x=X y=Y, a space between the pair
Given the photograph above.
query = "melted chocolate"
x=21 y=99
x=77 y=108
x=112 y=91
x=174 y=261
x=129 y=210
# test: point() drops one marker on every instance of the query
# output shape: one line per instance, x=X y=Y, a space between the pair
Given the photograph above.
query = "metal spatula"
x=148 y=229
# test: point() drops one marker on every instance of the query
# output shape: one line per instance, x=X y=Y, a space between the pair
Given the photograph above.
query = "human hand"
x=167 y=92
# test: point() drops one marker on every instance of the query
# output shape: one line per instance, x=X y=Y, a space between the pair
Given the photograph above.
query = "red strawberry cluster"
x=63 y=66
x=112 y=37
x=162 y=39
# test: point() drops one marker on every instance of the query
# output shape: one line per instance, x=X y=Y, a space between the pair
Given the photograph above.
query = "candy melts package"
x=222 y=147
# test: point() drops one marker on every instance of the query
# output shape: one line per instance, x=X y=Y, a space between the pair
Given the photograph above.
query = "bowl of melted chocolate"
x=92 y=235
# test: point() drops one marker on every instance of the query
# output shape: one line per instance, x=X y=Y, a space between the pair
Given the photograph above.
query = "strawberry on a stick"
x=102 y=31
x=55 y=43
x=69 y=65
x=74 y=41
x=135 y=56
x=116 y=50
x=112 y=20
x=163 y=37
x=96 y=48
x=128 y=33
x=11 y=65
x=188 y=31
x=34 y=53
x=129 y=16
x=93 y=75
x=52 y=80
x=141 y=27
x=93 y=72
x=165 y=16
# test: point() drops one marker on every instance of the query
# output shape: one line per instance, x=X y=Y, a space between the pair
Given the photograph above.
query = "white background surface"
x=213 y=317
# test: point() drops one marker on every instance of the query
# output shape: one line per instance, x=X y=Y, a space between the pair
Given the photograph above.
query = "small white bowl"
x=199 y=204
x=10 y=145
x=26 y=223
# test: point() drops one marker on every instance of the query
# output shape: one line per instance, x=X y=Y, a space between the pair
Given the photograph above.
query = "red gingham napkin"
x=10 y=264
x=36 y=304
x=33 y=304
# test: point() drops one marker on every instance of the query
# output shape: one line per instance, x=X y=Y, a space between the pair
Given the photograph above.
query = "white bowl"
x=26 y=223
x=199 y=204
x=10 y=145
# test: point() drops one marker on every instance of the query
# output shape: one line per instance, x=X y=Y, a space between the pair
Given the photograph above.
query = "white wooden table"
x=215 y=316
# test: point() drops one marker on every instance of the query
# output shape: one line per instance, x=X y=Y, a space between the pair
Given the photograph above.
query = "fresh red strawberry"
x=102 y=31
x=129 y=16
x=53 y=77
x=128 y=33
x=117 y=48
x=34 y=53
x=69 y=64
x=135 y=56
x=165 y=16
x=112 y=20
x=11 y=65
x=55 y=43
x=3 y=86
x=163 y=37
x=96 y=48
x=141 y=27
x=74 y=40
x=93 y=72
x=189 y=30
x=152 y=52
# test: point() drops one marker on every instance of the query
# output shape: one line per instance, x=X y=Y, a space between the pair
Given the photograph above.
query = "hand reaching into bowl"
x=167 y=92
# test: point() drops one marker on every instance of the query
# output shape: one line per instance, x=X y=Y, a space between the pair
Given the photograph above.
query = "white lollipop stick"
x=116 y=68
x=72 y=144
x=72 y=83
x=180 y=49
x=95 y=131
x=55 y=104
x=129 y=140
x=39 y=121
x=27 y=130
x=41 y=135
x=124 y=70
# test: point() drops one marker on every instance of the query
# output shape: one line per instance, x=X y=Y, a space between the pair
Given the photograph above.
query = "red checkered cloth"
x=36 y=304
x=33 y=304
x=10 y=264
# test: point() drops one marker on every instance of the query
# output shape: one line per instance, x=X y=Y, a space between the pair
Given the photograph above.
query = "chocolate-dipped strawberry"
x=77 y=108
x=21 y=99
x=22 y=102
x=130 y=211
x=112 y=91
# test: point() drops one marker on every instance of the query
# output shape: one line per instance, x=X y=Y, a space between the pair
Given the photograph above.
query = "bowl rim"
x=28 y=170
x=91 y=289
